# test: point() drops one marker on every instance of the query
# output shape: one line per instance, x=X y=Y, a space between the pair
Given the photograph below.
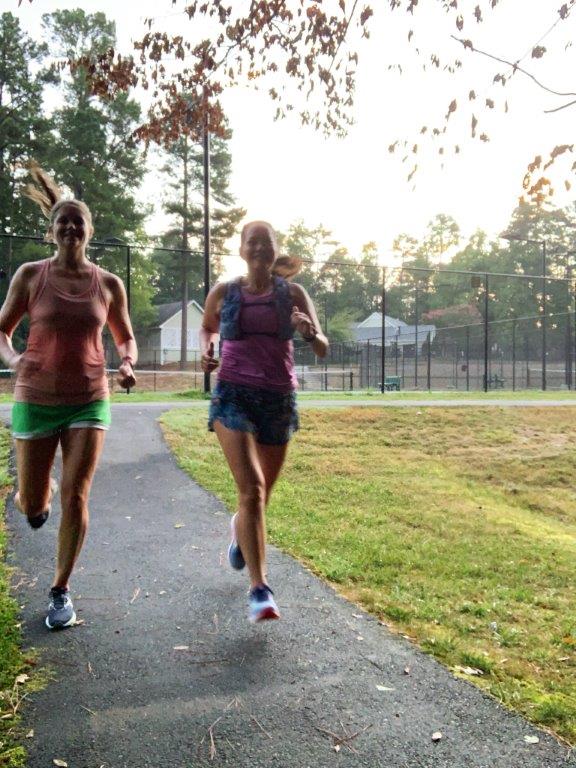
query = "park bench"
x=392 y=383
x=495 y=382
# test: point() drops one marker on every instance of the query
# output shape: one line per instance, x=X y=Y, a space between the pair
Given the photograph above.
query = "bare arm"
x=121 y=329
x=13 y=310
x=209 y=332
x=305 y=320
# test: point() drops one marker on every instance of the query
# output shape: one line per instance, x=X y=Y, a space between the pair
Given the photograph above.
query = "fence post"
x=486 y=347
x=467 y=358
x=514 y=355
x=574 y=356
x=429 y=368
x=368 y=364
x=383 y=352
x=544 y=319
x=568 y=363
x=128 y=276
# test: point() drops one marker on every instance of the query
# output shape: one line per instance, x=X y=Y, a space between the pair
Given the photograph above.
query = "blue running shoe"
x=235 y=556
x=262 y=604
x=60 y=610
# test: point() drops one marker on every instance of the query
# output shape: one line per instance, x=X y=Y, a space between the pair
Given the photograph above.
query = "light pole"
x=569 y=349
x=542 y=244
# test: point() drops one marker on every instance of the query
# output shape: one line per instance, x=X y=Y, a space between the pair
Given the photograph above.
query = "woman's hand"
x=208 y=362
x=302 y=323
x=126 y=376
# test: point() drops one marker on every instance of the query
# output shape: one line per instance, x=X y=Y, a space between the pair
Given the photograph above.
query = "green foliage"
x=23 y=126
x=93 y=152
x=184 y=174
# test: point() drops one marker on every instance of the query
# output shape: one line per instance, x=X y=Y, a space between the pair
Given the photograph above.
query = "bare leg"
x=81 y=449
x=271 y=459
x=242 y=456
x=34 y=460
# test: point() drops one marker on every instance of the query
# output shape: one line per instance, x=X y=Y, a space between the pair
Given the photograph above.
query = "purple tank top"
x=259 y=358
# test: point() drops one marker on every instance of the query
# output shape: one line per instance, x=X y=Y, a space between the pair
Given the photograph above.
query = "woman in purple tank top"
x=253 y=406
x=61 y=393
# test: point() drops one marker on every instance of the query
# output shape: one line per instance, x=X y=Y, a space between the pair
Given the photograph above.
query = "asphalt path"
x=165 y=670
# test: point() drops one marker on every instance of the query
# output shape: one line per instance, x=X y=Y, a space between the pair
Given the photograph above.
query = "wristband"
x=128 y=359
x=309 y=338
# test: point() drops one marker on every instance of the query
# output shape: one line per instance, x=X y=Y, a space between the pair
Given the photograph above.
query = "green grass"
x=12 y=661
x=137 y=396
x=455 y=527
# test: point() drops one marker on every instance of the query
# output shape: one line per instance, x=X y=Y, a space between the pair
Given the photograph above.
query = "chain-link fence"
x=403 y=328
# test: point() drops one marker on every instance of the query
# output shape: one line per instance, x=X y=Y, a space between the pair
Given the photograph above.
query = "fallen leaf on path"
x=162 y=592
x=384 y=688
x=60 y=763
x=336 y=747
x=30 y=734
x=180 y=525
x=531 y=739
x=436 y=736
x=406 y=670
x=181 y=647
x=22 y=679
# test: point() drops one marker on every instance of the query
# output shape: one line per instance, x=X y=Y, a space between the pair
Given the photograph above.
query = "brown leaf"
x=538 y=51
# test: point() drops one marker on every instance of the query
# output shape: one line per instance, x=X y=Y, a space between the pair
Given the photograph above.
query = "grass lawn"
x=137 y=396
x=455 y=527
x=12 y=661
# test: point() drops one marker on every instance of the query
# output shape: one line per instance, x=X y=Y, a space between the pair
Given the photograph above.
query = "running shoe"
x=235 y=556
x=37 y=521
x=60 y=610
x=262 y=604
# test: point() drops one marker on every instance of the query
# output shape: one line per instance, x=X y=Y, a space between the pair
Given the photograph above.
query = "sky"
x=354 y=187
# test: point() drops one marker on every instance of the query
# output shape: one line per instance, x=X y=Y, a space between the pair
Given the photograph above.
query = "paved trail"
x=165 y=671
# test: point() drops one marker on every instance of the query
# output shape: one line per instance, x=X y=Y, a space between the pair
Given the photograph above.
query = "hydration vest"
x=232 y=304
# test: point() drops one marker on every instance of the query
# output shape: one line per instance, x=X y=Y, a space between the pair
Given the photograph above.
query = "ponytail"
x=286 y=266
x=43 y=191
x=49 y=197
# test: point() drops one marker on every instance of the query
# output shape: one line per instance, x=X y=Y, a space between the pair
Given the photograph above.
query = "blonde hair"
x=283 y=266
x=48 y=196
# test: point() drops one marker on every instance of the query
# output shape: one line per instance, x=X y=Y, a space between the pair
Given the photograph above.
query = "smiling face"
x=258 y=246
x=71 y=226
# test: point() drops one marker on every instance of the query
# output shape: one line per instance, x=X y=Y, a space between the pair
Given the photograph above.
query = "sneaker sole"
x=265 y=615
x=69 y=623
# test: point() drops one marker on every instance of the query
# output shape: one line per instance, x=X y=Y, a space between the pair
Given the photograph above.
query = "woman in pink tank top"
x=61 y=393
x=253 y=407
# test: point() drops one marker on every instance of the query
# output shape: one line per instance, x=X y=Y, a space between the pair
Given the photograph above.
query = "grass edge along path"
x=13 y=677
x=454 y=528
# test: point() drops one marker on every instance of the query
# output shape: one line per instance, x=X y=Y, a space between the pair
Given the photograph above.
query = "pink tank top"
x=258 y=359
x=64 y=362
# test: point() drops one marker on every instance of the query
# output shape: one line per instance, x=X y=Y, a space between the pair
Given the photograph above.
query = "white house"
x=396 y=331
x=160 y=343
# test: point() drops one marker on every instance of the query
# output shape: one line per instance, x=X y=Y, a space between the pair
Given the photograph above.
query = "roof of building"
x=375 y=321
x=165 y=311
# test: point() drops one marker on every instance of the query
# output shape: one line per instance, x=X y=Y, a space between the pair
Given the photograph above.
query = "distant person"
x=61 y=392
x=253 y=407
